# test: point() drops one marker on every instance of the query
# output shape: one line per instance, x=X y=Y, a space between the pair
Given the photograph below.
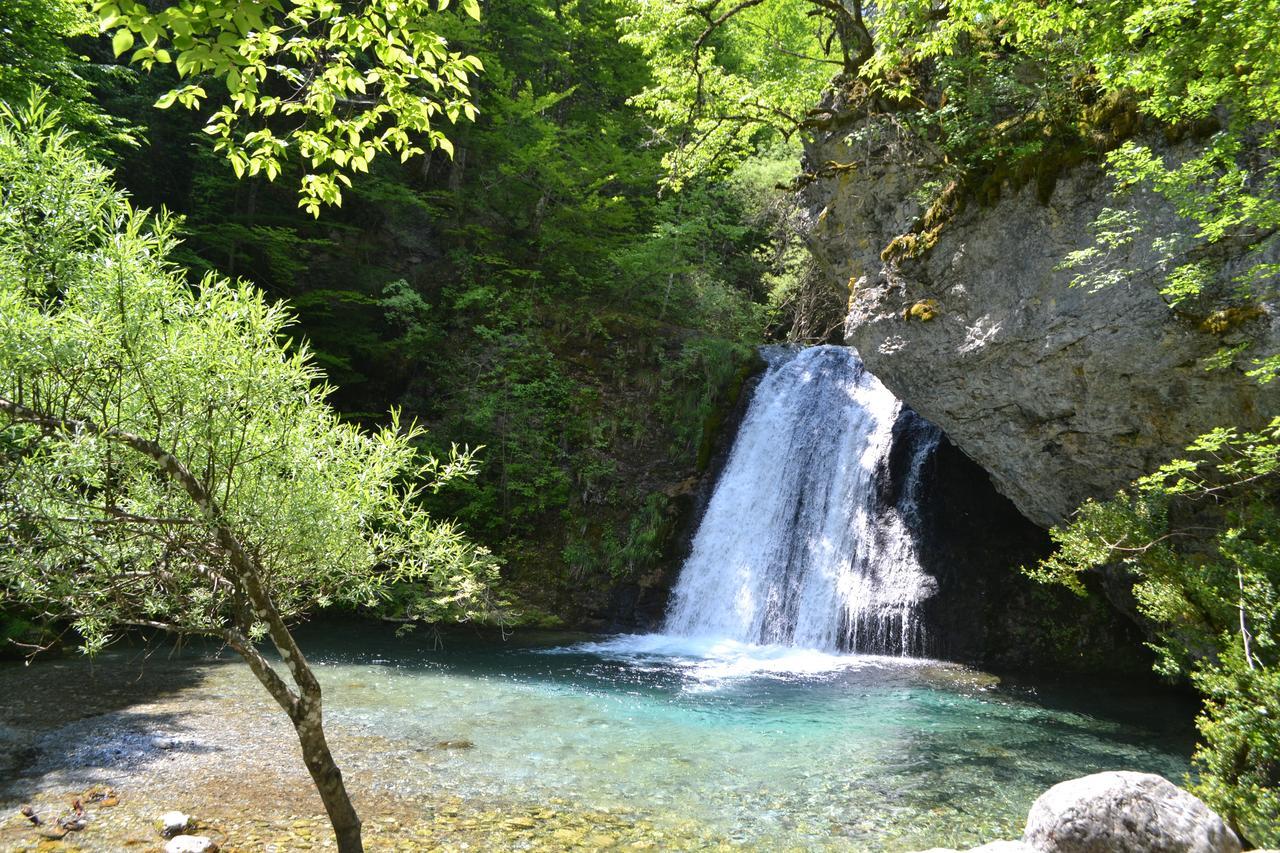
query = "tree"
x=35 y=54
x=728 y=75
x=1201 y=536
x=168 y=458
x=334 y=82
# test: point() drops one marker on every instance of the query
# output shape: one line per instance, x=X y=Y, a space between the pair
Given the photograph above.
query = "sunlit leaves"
x=754 y=78
x=37 y=54
x=97 y=326
x=1201 y=536
x=330 y=84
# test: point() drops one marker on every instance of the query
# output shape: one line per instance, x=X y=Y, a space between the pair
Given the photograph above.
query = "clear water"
x=766 y=747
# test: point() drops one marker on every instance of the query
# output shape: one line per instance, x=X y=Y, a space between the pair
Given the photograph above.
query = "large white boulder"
x=1125 y=812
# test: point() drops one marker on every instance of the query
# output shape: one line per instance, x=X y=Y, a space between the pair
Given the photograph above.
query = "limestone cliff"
x=1059 y=393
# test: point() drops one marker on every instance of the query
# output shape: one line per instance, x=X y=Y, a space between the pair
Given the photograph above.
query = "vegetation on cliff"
x=1201 y=537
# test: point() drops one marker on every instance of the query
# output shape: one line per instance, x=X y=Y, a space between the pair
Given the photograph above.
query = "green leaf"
x=121 y=41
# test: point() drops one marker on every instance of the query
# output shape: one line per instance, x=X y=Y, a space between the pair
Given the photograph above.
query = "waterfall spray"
x=796 y=546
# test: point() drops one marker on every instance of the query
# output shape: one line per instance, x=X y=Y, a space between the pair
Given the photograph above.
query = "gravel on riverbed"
x=133 y=735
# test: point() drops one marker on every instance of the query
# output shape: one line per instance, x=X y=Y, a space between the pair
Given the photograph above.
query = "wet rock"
x=1121 y=810
x=191 y=844
x=101 y=795
x=455 y=744
x=174 y=823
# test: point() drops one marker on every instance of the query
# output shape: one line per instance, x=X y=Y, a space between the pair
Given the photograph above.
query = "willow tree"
x=168 y=458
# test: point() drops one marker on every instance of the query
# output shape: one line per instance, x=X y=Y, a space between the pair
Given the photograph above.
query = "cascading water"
x=798 y=545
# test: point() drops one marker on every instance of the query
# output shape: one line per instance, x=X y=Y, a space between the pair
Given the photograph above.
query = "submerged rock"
x=191 y=844
x=1121 y=810
x=992 y=847
x=174 y=823
x=461 y=743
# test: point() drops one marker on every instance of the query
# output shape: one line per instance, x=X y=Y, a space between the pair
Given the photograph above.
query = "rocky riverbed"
x=136 y=734
x=458 y=742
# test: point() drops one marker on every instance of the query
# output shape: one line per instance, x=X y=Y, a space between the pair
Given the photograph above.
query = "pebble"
x=190 y=844
x=174 y=823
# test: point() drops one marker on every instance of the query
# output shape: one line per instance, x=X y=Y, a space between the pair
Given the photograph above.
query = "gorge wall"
x=1059 y=393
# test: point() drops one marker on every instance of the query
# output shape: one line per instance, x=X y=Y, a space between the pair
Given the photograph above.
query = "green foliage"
x=37 y=55
x=530 y=293
x=698 y=386
x=330 y=82
x=721 y=90
x=624 y=550
x=1202 y=537
x=116 y=376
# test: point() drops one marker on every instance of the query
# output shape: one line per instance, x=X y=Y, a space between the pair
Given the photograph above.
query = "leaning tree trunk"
x=253 y=605
x=302 y=702
x=328 y=778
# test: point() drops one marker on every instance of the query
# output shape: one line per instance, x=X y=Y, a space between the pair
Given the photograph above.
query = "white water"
x=796 y=548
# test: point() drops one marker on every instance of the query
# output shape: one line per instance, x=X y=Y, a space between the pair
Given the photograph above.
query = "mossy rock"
x=924 y=310
x=1221 y=322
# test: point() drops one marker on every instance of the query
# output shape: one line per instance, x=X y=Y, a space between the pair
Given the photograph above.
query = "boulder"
x=191 y=844
x=1125 y=811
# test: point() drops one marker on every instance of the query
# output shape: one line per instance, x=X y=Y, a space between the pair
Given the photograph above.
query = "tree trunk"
x=252 y=605
x=304 y=710
x=328 y=778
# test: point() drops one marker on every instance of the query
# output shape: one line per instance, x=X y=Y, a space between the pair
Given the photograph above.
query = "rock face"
x=1059 y=393
x=1124 y=811
x=970 y=540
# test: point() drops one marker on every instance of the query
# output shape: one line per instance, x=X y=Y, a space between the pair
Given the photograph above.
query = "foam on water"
x=717 y=659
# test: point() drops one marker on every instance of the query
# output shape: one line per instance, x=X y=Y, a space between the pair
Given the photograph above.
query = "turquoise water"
x=766 y=747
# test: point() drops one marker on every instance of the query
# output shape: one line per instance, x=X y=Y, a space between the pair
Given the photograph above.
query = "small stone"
x=455 y=744
x=191 y=844
x=174 y=823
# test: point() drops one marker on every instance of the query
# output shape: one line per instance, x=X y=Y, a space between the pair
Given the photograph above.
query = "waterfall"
x=801 y=544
